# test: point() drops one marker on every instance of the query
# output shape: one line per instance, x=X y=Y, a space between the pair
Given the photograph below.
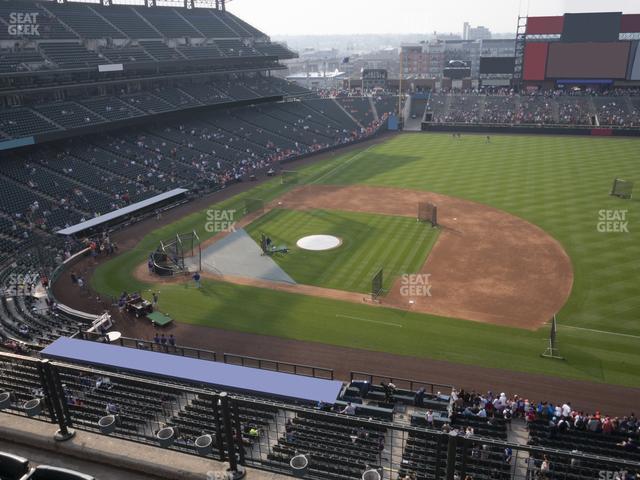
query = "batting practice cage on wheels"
x=622 y=188
x=180 y=254
x=428 y=213
x=376 y=285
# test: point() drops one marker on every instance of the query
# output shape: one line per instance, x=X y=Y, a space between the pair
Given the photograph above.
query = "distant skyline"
x=344 y=17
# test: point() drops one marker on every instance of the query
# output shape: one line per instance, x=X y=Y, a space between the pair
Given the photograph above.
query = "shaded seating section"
x=69 y=114
x=49 y=26
x=23 y=203
x=597 y=443
x=209 y=23
x=16 y=61
x=70 y=55
x=274 y=49
x=331 y=110
x=142 y=408
x=337 y=446
x=236 y=48
x=242 y=28
x=358 y=107
x=198 y=417
x=83 y=21
x=168 y=22
x=148 y=102
x=127 y=21
x=386 y=104
x=22 y=381
x=23 y=319
x=206 y=93
x=127 y=54
x=23 y=122
x=377 y=395
x=160 y=51
x=112 y=108
x=176 y=97
x=201 y=51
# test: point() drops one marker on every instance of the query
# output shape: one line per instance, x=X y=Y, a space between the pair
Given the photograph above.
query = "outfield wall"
x=526 y=129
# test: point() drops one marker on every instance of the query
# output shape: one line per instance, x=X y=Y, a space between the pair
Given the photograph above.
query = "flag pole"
x=400 y=87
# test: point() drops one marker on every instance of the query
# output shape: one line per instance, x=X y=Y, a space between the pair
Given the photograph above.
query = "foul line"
x=370 y=321
x=341 y=165
x=601 y=331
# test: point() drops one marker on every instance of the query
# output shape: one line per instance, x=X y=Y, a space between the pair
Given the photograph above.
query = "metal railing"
x=198 y=353
x=403 y=383
x=232 y=359
x=249 y=431
x=278 y=366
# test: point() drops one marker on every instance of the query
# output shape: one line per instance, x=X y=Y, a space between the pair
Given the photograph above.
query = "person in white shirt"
x=350 y=409
x=429 y=418
x=566 y=410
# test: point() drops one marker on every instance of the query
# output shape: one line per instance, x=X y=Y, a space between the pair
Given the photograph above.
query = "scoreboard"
x=582 y=48
x=374 y=78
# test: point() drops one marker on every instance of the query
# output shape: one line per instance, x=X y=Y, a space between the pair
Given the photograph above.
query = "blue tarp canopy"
x=232 y=378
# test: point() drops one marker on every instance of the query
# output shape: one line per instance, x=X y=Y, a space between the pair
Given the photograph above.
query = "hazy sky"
x=317 y=17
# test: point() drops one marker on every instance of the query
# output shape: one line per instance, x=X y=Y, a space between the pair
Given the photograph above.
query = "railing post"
x=235 y=471
x=451 y=455
x=238 y=428
x=59 y=402
x=216 y=416
x=46 y=388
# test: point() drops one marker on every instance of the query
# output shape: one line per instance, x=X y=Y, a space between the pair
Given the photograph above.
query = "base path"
x=487 y=265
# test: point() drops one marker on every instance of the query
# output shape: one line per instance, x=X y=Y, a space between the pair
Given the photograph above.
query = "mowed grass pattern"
x=369 y=242
x=558 y=183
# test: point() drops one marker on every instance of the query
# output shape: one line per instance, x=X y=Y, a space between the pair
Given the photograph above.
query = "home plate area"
x=319 y=242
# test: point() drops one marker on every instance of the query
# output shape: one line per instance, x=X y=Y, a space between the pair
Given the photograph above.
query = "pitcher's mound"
x=319 y=242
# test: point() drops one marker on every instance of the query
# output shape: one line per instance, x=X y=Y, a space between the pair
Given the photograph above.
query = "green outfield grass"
x=558 y=183
x=369 y=242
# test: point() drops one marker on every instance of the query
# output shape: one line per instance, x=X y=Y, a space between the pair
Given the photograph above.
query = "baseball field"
x=528 y=228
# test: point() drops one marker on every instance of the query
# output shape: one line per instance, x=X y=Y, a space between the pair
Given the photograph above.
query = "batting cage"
x=289 y=177
x=252 y=205
x=376 y=285
x=622 y=188
x=180 y=254
x=428 y=213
